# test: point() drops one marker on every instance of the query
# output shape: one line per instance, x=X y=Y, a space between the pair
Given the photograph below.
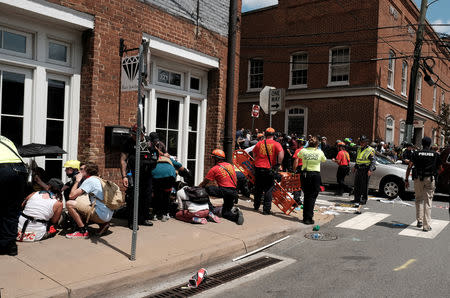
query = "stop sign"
x=255 y=111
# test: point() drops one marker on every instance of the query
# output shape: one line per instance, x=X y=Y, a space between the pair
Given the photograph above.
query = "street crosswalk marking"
x=363 y=221
x=413 y=231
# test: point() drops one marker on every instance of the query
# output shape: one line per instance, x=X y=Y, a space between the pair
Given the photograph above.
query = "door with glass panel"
x=193 y=129
x=168 y=116
x=56 y=122
x=15 y=104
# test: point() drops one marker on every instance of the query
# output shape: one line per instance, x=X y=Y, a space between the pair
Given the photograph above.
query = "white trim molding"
x=174 y=51
x=53 y=12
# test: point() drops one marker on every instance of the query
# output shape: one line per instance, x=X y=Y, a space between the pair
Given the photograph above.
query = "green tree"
x=443 y=121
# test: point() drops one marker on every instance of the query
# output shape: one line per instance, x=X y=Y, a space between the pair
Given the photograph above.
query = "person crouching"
x=191 y=212
x=225 y=176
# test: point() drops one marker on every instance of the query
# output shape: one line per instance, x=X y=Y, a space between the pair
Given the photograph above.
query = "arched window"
x=389 y=136
x=404 y=77
x=401 y=136
x=391 y=69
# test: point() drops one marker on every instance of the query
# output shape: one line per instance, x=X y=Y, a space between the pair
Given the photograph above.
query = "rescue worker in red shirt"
x=268 y=155
x=225 y=176
x=343 y=161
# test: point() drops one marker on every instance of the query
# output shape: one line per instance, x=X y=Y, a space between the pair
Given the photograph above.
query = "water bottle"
x=130 y=179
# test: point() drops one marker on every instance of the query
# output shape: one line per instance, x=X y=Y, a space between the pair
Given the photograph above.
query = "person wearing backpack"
x=86 y=203
x=225 y=176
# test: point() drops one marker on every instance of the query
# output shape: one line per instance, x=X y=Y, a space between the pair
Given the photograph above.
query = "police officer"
x=425 y=165
x=268 y=155
x=13 y=176
x=364 y=166
x=147 y=164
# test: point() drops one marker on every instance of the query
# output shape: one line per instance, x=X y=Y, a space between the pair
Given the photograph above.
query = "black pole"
x=414 y=71
x=232 y=28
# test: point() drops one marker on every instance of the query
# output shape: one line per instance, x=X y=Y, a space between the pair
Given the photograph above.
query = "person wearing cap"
x=425 y=164
x=148 y=162
x=72 y=168
x=364 y=166
x=268 y=155
x=13 y=177
x=310 y=178
x=224 y=175
x=343 y=161
x=40 y=208
x=407 y=153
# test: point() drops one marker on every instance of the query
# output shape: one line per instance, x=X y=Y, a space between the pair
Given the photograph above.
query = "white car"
x=388 y=178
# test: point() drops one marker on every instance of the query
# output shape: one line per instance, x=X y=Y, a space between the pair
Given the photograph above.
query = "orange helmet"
x=218 y=153
x=341 y=144
x=270 y=131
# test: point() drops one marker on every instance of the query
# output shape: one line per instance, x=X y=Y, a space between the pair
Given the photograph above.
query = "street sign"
x=276 y=97
x=264 y=98
x=255 y=111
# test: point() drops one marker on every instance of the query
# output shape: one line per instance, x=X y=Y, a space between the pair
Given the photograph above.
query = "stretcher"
x=280 y=195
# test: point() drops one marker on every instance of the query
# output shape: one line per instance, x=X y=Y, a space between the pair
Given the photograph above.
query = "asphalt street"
x=374 y=261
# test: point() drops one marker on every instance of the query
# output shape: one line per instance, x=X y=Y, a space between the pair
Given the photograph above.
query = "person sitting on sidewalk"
x=86 y=203
x=40 y=208
x=223 y=173
x=191 y=212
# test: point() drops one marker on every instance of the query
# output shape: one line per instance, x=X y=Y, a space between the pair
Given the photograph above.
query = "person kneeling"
x=40 y=209
x=191 y=212
x=86 y=203
x=225 y=176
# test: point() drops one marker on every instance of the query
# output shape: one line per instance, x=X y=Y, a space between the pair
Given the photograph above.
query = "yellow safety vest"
x=362 y=157
x=6 y=155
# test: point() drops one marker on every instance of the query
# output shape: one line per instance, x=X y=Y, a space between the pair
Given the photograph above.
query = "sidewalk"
x=82 y=267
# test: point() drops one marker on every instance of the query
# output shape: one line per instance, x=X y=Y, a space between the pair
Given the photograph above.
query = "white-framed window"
x=339 y=67
x=255 y=74
x=389 y=129
x=17 y=43
x=434 y=97
x=391 y=70
x=58 y=52
x=419 y=88
x=442 y=97
x=404 y=77
x=299 y=70
x=442 y=140
x=296 y=119
x=433 y=136
x=195 y=84
x=170 y=78
x=401 y=135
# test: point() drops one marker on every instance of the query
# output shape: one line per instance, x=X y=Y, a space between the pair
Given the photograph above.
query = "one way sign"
x=276 y=98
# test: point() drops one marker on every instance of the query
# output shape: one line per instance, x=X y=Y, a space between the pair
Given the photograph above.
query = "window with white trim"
x=15 y=42
x=401 y=135
x=389 y=136
x=391 y=70
x=419 y=88
x=434 y=98
x=299 y=70
x=195 y=84
x=433 y=136
x=442 y=97
x=339 y=69
x=58 y=52
x=255 y=73
x=170 y=78
x=404 y=77
x=296 y=121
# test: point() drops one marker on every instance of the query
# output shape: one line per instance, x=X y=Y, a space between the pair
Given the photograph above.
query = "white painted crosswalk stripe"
x=413 y=231
x=363 y=221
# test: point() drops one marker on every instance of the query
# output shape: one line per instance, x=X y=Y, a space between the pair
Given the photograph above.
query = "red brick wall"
x=129 y=19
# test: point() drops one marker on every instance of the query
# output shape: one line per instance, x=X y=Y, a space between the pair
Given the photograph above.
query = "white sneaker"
x=165 y=218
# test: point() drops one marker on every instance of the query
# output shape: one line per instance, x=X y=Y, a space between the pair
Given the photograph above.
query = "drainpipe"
x=232 y=28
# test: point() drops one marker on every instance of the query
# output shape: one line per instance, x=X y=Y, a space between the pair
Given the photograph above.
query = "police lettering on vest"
x=426 y=163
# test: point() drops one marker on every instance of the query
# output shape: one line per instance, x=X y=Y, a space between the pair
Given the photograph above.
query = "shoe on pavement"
x=103 y=228
x=78 y=235
x=214 y=218
x=199 y=220
x=165 y=218
x=267 y=213
x=146 y=222
x=356 y=205
x=256 y=207
x=308 y=221
x=240 y=219
x=419 y=224
x=427 y=230
x=10 y=250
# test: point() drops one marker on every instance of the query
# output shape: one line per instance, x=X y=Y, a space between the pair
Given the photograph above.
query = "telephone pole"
x=414 y=71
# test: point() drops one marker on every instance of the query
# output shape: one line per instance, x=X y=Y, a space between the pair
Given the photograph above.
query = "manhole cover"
x=323 y=236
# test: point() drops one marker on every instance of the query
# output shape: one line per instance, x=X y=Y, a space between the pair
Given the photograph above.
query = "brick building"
x=60 y=75
x=345 y=66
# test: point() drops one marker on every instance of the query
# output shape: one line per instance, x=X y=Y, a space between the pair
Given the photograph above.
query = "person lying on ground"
x=191 y=212
x=85 y=204
x=41 y=208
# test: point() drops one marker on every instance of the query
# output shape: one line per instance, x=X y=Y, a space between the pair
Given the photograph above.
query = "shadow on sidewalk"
x=279 y=215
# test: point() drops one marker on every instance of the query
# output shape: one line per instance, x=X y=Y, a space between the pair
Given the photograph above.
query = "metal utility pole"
x=232 y=28
x=414 y=71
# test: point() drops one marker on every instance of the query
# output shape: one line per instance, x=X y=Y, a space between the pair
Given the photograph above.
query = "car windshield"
x=383 y=160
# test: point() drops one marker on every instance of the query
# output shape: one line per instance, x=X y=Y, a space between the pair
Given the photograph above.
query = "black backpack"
x=197 y=195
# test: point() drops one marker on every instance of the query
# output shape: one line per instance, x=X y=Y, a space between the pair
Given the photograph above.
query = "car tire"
x=391 y=188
